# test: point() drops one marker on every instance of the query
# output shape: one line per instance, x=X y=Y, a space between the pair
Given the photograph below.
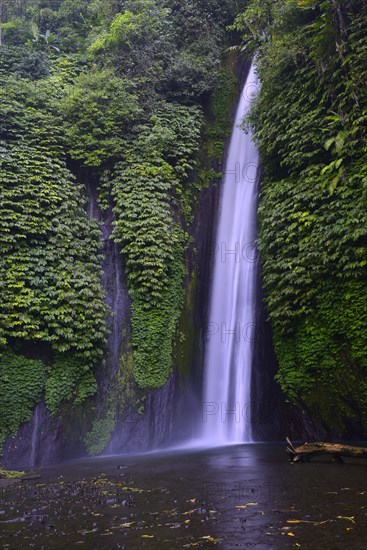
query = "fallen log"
x=307 y=451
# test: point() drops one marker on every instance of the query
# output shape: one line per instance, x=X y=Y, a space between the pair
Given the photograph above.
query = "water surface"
x=245 y=496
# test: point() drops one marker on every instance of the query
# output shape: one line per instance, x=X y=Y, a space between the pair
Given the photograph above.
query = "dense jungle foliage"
x=117 y=94
x=310 y=123
x=133 y=97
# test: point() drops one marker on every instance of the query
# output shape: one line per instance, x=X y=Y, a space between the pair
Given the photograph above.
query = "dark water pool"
x=246 y=496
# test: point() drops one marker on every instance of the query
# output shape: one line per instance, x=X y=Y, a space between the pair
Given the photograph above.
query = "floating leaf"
x=243 y=506
x=350 y=518
x=294 y=521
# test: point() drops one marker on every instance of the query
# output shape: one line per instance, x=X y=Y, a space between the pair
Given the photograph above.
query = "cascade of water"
x=227 y=375
x=117 y=309
x=34 y=440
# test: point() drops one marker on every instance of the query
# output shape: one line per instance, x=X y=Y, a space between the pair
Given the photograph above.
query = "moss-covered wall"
x=113 y=100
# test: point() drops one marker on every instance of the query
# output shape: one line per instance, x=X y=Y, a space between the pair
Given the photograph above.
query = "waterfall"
x=118 y=308
x=34 y=438
x=229 y=352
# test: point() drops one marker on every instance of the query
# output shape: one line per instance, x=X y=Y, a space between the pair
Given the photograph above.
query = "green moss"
x=324 y=363
x=221 y=106
x=127 y=394
x=22 y=381
x=186 y=340
x=218 y=125
x=154 y=330
x=121 y=397
x=98 y=438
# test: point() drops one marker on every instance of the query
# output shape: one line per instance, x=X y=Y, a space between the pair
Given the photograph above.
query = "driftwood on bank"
x=304 y=453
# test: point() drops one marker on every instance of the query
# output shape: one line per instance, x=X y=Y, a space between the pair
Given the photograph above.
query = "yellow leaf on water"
x=291 y=534
x=147 y=536
x=294 y=521
x=351 y=518
x=127 y=524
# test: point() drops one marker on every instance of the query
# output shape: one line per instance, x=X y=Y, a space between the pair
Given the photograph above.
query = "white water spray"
x=230 y=331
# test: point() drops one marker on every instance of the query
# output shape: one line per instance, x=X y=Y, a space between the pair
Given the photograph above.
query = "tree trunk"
x=305 y=452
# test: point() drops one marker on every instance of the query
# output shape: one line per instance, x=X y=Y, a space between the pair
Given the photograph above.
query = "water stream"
x=34 y=440
x=227 y=379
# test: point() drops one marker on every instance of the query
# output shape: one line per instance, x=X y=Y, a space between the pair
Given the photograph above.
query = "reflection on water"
x=245 y=496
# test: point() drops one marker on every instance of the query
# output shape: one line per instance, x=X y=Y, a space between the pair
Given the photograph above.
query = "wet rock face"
x=44 y=439
x=142 y=432
x=37 y=443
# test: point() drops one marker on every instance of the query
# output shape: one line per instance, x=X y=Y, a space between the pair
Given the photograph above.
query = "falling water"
x=227 y=379
x=34 y=440
x=117 y=308
x=112 y=280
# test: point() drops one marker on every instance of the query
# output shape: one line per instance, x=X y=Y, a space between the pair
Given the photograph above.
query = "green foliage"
x=21 y=384
x=146 y=186
x=154 y=328
x=68 y=379
x=23 y=63
x=17 y=31
x=98 y=109
x=34 y=66
x=172 y=47
x=309 y=120
x=323 y=363
x=47 y=26
x=220 y=125
x=114 y=93
x=49 y=266
x=157 y=164
x=139 y=41
x=98 y=438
